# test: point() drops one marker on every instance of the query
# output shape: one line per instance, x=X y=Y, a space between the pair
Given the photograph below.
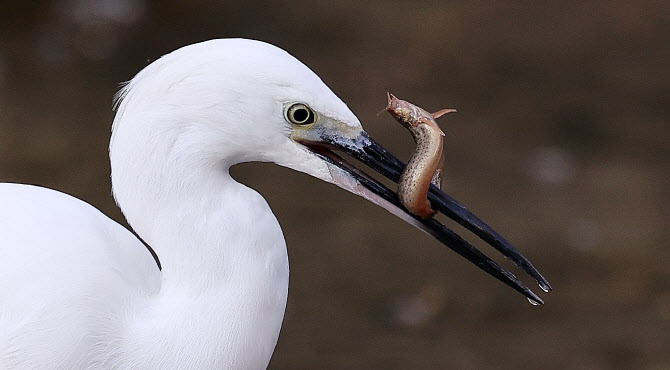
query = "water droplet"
x=534 y=302
x=545 y=288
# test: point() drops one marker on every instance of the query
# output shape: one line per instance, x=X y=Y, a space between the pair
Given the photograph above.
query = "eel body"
x=426 y=165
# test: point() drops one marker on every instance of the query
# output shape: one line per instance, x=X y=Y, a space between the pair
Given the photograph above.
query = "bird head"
x=214 y=104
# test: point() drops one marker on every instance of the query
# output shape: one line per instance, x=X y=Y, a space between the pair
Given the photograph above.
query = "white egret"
x=79 y=291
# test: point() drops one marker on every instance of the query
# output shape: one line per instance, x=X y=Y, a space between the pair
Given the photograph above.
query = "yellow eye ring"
x=300 y=114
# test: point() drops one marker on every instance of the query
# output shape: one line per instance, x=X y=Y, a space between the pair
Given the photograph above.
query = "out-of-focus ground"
x=561 y=143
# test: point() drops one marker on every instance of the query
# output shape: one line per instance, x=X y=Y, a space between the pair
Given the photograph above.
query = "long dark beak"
x=372 y=154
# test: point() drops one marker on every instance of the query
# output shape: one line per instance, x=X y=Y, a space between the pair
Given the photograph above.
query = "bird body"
x=87 y=294
x=79 y=291
x=69 y=278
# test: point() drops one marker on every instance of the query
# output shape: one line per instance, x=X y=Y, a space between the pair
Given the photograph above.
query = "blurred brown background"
x=561 y=143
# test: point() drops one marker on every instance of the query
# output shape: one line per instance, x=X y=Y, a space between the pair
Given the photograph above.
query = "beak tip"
x=536 y=301
x=369 y=152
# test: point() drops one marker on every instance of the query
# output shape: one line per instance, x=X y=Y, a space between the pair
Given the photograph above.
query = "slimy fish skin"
x=426 y=165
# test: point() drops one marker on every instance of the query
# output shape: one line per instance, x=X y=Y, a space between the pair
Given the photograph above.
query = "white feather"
x=78 y=291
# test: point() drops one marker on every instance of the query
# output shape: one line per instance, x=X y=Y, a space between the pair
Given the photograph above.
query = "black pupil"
x=300 y=115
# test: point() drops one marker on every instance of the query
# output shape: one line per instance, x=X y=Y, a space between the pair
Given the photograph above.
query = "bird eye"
x=300 y=114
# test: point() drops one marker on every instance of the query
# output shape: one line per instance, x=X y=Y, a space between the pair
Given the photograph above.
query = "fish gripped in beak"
x=364 y=149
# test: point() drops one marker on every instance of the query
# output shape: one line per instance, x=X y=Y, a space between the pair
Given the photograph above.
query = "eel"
x=426 y=165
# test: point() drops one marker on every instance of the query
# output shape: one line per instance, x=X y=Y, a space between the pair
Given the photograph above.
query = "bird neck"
x=207 y=229
x=224 y=267
x=224 y=235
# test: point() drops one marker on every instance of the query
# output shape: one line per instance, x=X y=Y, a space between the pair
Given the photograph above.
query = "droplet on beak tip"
x=534 y=302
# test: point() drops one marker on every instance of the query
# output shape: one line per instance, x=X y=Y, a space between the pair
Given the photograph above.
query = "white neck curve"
x=180 y=124
x=223 y=256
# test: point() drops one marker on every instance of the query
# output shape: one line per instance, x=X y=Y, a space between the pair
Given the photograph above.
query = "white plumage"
x=78 y=291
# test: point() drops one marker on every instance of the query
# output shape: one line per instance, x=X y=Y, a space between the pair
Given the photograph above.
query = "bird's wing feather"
x=67 y=274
